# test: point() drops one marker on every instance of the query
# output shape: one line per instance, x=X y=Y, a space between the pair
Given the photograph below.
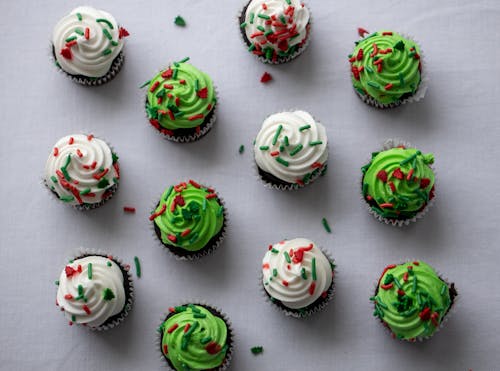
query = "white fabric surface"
x=457 y=121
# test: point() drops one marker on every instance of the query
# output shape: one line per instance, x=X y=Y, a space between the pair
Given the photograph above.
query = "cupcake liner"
x=195 y=136
x=280 y=60
x=388 y=144
x=130 y=296
x=205 y=251
x=110 y=192
x=214 y=310
x=303 y=314
x=291 y=186
x=417 y=96
x=450 y=312
x=89 y=81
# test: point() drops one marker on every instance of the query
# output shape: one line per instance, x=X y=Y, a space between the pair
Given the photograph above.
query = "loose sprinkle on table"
x=137 y=267
x=129 y=209
x=179 y=21
x=266 y=77
x=257 y=349
x=242 y=149
x=326 y=225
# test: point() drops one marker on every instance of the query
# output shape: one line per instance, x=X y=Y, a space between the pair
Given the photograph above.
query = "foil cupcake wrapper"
x=196 y=255
x=450 y=313
x=116 y=66
x=230 y=351
x=112 y=190
x=193 y=137
x=417 y=96
x=287 y=59
x=388 y=144
x=81 y=253
x=306 y=313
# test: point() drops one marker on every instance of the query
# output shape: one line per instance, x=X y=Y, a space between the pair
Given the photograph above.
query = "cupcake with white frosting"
x=276 y=31
x=291 y=150
x=298 y=277
x=82 y=171
x=87 y=45
x=95 y=291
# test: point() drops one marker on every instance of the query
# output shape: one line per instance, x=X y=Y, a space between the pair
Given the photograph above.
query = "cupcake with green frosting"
x=398 y=183
x=180 y=102
x=412 y=301
x=189 y=220
x=386 y=69
x=195 y=337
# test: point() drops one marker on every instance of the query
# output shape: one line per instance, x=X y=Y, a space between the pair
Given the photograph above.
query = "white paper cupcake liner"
x=125 y=268
x=229 y=353
x=112 y=190
x=193 y=137
x=195 y=255
x=116 y=66
x=451 y=310
x=306 y=313
x=388 y=144
x=417 y=96
x=280 y=60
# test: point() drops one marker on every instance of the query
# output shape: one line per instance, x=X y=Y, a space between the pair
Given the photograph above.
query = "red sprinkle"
x=66 y=53
x=71 y=43
x=362 y=32
x=275 y=153
x=405 y=276
x=360 y=55
x=186 y=328
x=266 y=77
x=211 y=195
x=424 y=182
x=434 y=319
x=265 y=266
x=168 y=86
x=79 y=153
x=196 y=117
x=69 y=271
x=264 y=6
x=392 y=186
x=388 y=86
x=90 y=137
x=177 y=101
x=398 y=174
x=182 y=82
x=100 y=175
x=56 y=151
x=425 y=314
x=202 y=93
x=316 y=165
x=172 y=328
x=68 y=296
x=185 y=232
x=410 y=174
x=87 y=33
x=154 y=86
x=122 y=32
x=162 y=210
x=86 y=309
x=298 y=255
x=172 y=238
x=375 y=51
x=386 y=205
x=401 y=292
x=387 y=287
x=129 y=209
x=416 y=263
x=387 y=33
x=285 y=283
x=382 y=175
x=213 y=348
x=165 y=348
x=168 y=74
x=71 y=140
x=194 y=184
x=311 y=288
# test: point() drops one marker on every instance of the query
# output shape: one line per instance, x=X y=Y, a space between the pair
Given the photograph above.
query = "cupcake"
x=398 y=184
x=297 y=277
x=180 y=102
x=196 y=337
x=189 y=220
x=87 y=45
x=386 y=69
x=82 y=171
x=291 y=150
x=95 y=291
x=411 y=300
x=276 y=31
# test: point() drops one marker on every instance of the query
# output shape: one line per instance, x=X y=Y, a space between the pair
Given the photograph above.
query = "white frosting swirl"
x=90 y=57
x=91 y=301
x=307 y=148
x=89 y=173
x=296 y=272
x=276 y=16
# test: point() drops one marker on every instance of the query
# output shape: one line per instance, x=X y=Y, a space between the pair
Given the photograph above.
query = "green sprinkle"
x=196 y=85
x=285 y=140
x=263 y=16
x=400 y=45
x=145 y=84
x=365 y=188
x=303 y=273
x=107 y=51
x=401 y=79
x=71 y=38
x=107 y=34
x=282 y=162
x=174 y=75
x=269 y=32
x=79 y=31
x=73 y=318
x=114 y=43
x=326 y=225
x=443 y=289
x=107 y=294
x=179 y=21
x=80 y=290
x=305 y=127
x=316 y=143
x=243 y=25
x=288 y=2
x=103 y=20
x=256 y=350
x=282 y=148
x=220 y=211
x=373 y=84
x=199 y=315
x=260 y=28
x=251 y=48
x=79 y=16
x=296 y=150
x=56 y=282
x=287 y=257
x=398 y=284
x=275 y=272
x=277 y=134
x=137 y=267
x=241 y=149
x=380 y=303
x=103 y=183
x=180 y=308
x=89 y=270
x=408 y=159
x=252 y=17
x=204 y=204
x=68 y=198
x=192 y=328
x=274 y=251
x=108 y=264
x=193 y=238
x=53 y=178
x=206 y=340
x=282 y=19
x=313 y=269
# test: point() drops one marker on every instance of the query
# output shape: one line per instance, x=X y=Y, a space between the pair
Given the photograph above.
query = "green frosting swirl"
x=179 y=97
x=188 y=216
x=194 y=339
x=398 y=182
x=396 y=77
x=411 y=299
